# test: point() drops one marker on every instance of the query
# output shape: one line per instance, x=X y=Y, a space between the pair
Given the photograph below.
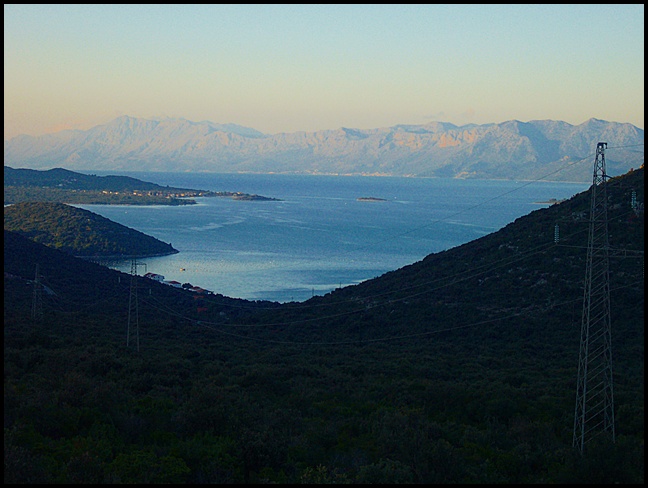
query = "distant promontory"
x=65 y=186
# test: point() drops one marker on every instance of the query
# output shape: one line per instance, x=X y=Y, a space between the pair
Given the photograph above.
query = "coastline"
x=120 y=257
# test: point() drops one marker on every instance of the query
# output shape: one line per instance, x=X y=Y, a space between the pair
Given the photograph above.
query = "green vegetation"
x=460 y=368
x=80 y=232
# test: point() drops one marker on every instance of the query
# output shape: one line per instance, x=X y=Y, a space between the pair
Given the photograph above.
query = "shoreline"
x=122 y=257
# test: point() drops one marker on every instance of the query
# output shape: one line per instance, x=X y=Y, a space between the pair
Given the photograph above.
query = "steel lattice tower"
x=37 y=300
x=594 y=393
x=133 y=304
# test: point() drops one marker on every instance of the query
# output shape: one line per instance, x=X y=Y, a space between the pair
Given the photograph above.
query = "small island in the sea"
x=371 y=199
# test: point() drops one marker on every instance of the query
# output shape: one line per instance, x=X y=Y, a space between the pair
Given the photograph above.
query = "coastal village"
x=187 y=286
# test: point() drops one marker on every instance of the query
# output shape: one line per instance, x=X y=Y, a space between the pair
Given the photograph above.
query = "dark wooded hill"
x=80 y=232
x=460 y=368
x=71 y=180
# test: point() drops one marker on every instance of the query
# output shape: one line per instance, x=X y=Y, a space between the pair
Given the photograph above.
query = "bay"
x=318 y=236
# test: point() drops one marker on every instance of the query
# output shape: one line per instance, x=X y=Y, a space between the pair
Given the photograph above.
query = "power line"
x=134 y=299
x=442 y=283
x=212 y=326
x=382 y=299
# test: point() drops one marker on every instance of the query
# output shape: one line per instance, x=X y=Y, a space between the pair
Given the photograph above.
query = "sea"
x=322 y=232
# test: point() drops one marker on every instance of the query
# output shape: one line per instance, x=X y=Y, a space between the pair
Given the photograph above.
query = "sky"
x=289 y=68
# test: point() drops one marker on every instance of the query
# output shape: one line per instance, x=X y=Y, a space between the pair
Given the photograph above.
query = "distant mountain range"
x=539 y=149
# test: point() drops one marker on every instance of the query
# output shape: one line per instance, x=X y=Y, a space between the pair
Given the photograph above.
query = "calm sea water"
x=319 y=236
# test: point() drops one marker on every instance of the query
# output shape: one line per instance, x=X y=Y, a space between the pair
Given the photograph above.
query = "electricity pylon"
x=37 y=300
x=594 y=392
x=133 y=306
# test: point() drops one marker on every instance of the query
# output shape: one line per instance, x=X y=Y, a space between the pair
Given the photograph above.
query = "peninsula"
x=80 y=232
x=64 y=186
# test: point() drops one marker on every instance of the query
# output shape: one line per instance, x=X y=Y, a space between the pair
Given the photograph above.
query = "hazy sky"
x=288 y=68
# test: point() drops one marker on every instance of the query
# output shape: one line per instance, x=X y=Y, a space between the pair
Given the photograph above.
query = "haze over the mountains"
x=539 y=149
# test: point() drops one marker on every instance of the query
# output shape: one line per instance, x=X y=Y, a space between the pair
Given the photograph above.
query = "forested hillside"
x=80 y=232
x=460 y=368
x=71 y=180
